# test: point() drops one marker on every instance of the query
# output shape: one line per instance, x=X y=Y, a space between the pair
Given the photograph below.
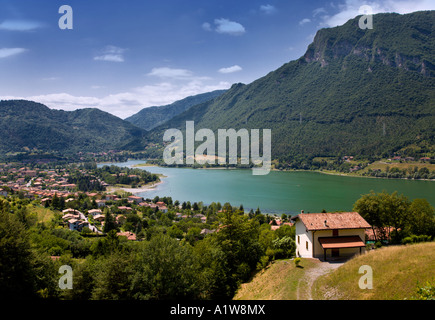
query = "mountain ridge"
x=151 y=117
x=27 y=125
x=337 y=99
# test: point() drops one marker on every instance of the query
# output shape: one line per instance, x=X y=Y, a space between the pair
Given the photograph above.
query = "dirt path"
x=305 y=284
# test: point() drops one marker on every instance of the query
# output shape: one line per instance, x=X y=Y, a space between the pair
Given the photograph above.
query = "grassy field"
x=279 y=282
x=397 y=271
x=382 y=165
x=42 y=214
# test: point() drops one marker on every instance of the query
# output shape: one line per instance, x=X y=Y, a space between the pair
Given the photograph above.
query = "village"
x=48 y=185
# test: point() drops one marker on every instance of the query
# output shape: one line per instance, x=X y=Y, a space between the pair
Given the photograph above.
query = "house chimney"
x=302 y=211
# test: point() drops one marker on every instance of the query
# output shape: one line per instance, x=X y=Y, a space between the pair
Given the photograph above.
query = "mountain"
x=29 y=125
x=149 y=118
x=354 y=92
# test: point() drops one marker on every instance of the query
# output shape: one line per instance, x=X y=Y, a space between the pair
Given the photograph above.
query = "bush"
x=297 y=261
x=426 y=292
x=407 y=240
x=416 y=239
x=264 y=260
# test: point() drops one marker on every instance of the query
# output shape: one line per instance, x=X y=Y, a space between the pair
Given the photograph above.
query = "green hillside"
x=149 y=118
x=26 y=125
x=397 y=273
x=354 y=92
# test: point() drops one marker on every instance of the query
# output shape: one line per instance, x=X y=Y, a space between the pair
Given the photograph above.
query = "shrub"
x=297 y=261
x=416 y=239
x=407 y=240
x=264 y=260
x=426 y=292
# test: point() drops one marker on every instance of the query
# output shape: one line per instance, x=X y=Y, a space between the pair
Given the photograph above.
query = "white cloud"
x=206 y=26
x=125 y=104
x=111 y=54
x=171 y=73
x=232 y=69
x=110 y=58
x=267 y=9
x=19 y=25
x=304 y=21
x=8 y=52
x=350 y=9
x=226 y=26
x=318 y=11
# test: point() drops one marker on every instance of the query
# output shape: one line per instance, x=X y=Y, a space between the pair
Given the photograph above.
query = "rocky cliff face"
x=366 y=44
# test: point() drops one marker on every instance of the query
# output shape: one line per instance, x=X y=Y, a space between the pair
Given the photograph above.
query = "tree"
x=285 y=247
x=396 y=213
x=422 y=218
x=369 y=207
x=195 y=207
x=109 y=222
x=166 y=270
x=23 y=273
x=113 y=278
x=384 y=210
x=238 y=240
x=175 y=232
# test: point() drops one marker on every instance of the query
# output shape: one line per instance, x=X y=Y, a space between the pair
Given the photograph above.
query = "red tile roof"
x=329 y=221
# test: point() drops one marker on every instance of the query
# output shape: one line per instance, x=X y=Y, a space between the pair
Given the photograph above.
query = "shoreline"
x=295 y=170
x=135 y=191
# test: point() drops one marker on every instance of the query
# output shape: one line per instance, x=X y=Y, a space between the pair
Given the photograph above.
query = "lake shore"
x=276 y=192
x=145 y=188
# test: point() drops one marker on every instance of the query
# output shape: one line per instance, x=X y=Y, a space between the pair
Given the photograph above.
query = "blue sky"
x=122 y=56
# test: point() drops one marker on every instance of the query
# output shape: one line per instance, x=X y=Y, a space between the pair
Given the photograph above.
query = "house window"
x=306 y=245
x=299 y=239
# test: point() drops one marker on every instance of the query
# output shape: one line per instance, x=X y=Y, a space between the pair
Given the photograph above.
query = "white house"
x=100 y=203
x=75 y=224
x=95 y=212
x=329 y=235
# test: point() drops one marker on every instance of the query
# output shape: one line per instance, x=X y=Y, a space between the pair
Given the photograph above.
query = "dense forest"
x=28 y=126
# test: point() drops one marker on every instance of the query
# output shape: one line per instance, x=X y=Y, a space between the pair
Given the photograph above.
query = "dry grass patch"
x=382 y=165
x=278 y=282
x=42 y=214
x=397 y=271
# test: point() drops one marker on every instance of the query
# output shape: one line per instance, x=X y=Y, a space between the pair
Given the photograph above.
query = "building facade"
x=329 y=235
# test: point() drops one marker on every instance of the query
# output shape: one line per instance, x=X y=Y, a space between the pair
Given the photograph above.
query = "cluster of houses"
x=37 y=183
x=409 y=159
x=76 y=220
x=276 y=223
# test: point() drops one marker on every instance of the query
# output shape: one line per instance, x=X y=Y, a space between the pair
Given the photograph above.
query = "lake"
x=279 y=191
